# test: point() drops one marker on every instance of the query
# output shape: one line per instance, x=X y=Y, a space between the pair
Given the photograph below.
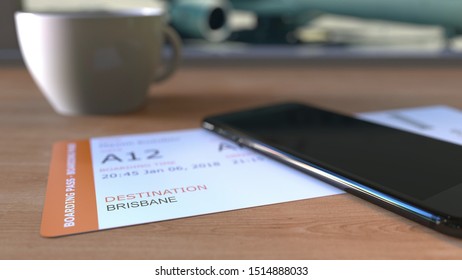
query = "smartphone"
x=412 y=175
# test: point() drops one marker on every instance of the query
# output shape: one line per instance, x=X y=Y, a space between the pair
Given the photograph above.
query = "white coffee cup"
x=96 y=62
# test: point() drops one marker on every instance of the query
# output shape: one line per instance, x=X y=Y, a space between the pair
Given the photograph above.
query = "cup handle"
x=175 y=42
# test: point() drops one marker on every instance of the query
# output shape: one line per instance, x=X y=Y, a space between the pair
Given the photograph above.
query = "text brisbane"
x=141 y=203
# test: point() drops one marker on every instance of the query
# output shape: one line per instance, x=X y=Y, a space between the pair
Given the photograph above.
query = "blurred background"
x=285 y=29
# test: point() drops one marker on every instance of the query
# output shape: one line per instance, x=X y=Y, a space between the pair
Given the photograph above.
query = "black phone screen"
x=396 y=162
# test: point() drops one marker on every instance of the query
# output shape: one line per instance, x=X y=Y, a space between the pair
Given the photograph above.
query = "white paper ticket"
x=117 y=181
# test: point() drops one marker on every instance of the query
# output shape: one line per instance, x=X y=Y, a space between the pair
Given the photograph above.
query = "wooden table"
x=335 y=227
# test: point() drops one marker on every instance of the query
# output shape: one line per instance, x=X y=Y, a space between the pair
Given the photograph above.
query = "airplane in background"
x=211 y=19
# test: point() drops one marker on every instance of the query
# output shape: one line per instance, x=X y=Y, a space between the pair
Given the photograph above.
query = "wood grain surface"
x=336 y=227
